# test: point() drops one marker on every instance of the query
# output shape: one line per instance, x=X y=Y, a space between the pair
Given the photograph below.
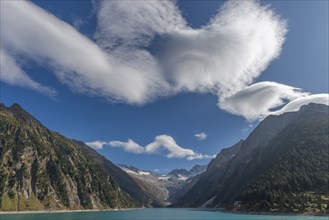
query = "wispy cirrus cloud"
x=13 y=74
x=146 y=50
x=28 y=30
x=78 y=22
x=160 y=143
x=160 y=170
x=245 y=130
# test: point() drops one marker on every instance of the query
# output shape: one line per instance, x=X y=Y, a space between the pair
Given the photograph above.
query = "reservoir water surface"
x=152 y=214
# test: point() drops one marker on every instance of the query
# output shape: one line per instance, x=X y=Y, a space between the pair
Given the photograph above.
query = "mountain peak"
x=2 y=107
x=275 y=165
x=59 y=173
x=22 y=115
x=16 y=106
x=311 y=107
x=177 y=172
x=17 y=109
x=198 y=168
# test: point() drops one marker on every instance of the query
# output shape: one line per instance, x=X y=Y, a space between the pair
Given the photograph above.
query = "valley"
x=281 y=167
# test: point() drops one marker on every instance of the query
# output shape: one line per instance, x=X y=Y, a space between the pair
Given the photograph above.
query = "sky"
x=162 y=84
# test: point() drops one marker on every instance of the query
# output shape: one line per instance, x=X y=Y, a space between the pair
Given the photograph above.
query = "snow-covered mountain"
x=163 y=188
x=183 y=174
x=134 y=170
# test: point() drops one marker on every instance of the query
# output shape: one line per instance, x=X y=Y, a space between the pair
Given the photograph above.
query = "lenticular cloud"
x=145 y=50
x=222 y=57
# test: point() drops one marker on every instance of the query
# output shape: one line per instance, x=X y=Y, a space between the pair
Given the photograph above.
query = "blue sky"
x=94 y=109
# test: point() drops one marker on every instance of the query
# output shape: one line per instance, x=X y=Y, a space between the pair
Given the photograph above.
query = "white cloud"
x=200 y=157
x=78 y=62
x=160 y=143
x=160 y=170
x=78 y=22
x=245 y=130
x=129 y=146
x=139 y=22
x=12 y=74
x=256 y=100
x=97 y=145
x=145 y=50
x=221 y=57
x=201 y=136
x=168 y=143
x=295 y=105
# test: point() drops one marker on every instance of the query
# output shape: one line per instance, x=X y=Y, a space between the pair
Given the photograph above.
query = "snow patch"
x=164 y=178
x=182 y=177
x=144 y=173
x=129 y=171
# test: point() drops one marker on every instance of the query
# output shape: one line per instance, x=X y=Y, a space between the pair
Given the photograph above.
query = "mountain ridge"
x=258 y=155
x=163 y=188
x=282 y=166
x=41 y=169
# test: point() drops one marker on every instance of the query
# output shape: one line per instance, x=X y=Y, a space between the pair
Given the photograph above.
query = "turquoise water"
x=152 y=214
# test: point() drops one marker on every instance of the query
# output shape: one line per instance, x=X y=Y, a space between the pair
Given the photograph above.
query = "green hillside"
x=41 y=169
x=281 y=167
x=295 y=169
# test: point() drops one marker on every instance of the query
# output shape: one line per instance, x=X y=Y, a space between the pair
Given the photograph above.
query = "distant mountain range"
x=283 y=166
x=163 y=188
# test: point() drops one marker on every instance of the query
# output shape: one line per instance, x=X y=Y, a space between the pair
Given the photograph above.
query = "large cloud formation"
x=161 y=142
x=145 y=50
x=222 y=57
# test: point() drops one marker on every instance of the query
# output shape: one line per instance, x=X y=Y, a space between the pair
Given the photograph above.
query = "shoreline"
x=65 y=211
x=274 y=213
x=127 y=209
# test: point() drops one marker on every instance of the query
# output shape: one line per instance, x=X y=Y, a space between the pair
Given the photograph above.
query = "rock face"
x=43 y=170
x=163 y=189
x=198 y=169
x=183 y=174
x=281 y=167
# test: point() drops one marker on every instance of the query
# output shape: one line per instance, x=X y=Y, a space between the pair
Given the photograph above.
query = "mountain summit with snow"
x=163 y=188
